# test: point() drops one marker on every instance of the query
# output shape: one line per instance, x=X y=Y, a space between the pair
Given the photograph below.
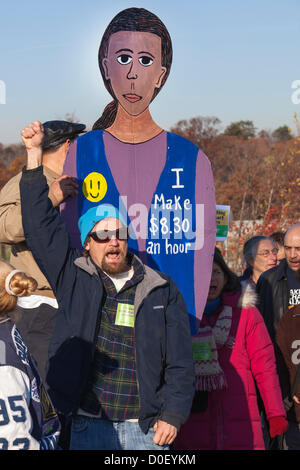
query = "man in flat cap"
x=57 y=133
x=37 y=323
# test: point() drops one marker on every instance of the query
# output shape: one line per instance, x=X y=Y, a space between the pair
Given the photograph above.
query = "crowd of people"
x=233 y=386
x=104 y=348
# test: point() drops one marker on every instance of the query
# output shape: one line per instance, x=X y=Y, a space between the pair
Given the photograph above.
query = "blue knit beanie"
x=94 y=215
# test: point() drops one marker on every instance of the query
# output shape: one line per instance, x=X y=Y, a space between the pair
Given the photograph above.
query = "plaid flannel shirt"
x=112 y=382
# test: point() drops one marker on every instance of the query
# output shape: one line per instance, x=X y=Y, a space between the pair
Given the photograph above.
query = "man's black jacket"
x=273 y=291
x=164 y=361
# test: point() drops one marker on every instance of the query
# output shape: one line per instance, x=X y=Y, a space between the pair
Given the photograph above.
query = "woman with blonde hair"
x=27 y=418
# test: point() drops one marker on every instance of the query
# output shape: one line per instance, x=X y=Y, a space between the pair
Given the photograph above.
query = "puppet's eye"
x=145 y=61
x=124 y=59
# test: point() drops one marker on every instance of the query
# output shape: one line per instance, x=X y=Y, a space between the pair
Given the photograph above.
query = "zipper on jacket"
x=136 y=366
x=136 y=370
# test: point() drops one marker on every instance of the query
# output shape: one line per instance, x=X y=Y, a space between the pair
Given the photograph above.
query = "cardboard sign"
x=223 y=214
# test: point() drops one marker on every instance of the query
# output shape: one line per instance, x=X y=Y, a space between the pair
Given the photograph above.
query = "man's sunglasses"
x=105 y=235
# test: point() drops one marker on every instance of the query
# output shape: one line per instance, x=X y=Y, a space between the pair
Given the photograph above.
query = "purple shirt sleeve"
x=204 y=195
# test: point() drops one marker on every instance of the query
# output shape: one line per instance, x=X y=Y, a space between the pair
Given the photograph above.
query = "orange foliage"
x=252 y=175
x=15 y=167
x=258 y=177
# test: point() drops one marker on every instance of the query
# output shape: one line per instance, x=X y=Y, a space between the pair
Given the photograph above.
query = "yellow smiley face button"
x=94 y=187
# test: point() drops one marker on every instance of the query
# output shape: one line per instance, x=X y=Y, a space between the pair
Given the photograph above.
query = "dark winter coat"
x=273 y=292
x=288 y=357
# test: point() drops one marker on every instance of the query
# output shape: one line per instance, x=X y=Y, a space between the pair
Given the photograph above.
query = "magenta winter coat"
x=232 y=420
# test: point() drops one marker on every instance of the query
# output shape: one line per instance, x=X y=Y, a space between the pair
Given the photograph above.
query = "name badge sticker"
x=202 y=351
x=125 y=315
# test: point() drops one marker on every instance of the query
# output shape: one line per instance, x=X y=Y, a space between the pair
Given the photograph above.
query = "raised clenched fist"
x=32 y=135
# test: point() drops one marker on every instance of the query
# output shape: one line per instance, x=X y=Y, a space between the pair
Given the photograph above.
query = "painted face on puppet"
x=133 y=66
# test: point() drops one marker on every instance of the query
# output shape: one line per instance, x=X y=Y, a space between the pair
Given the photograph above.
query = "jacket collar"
x=50 y=174
x=279 y=271
x=282 y=267
x=151 y=280
x=244 y=298
x=85 y=263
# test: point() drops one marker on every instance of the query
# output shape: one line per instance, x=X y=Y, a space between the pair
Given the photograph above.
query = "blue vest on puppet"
x=171 y=223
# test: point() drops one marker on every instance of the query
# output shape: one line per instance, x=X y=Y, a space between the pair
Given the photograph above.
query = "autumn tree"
x=242 y=129
x=71 y=117
x=282 y=133
x=199 y=130
x=297 y=122
x=259 y=177
x=9 y=152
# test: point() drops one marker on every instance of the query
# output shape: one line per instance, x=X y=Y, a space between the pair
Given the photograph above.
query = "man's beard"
x=120 y=267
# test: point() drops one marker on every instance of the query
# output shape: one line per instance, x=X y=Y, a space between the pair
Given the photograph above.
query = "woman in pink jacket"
x=232 y=353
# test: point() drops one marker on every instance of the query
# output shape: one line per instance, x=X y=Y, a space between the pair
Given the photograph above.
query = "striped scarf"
x=208 y=372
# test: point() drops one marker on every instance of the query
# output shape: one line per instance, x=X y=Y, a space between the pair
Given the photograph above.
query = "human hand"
x=278 y=425
x=63 y=187
x=296 y=400
x=32 y=137
x=164 y=433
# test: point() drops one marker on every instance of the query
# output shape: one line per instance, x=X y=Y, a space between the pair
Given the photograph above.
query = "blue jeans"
x=100 y=434
x=292 y=437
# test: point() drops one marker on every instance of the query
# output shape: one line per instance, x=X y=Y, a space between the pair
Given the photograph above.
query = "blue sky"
x=232 y=59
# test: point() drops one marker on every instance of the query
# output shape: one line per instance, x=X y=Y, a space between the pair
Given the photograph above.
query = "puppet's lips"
x=132 y=98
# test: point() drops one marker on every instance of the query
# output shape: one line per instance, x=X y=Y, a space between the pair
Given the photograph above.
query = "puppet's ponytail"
x=108 y=116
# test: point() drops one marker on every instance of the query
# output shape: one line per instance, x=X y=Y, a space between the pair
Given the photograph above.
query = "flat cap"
x=57 y=132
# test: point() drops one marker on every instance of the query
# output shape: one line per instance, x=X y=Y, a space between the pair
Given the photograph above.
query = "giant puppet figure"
x=161 y=182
